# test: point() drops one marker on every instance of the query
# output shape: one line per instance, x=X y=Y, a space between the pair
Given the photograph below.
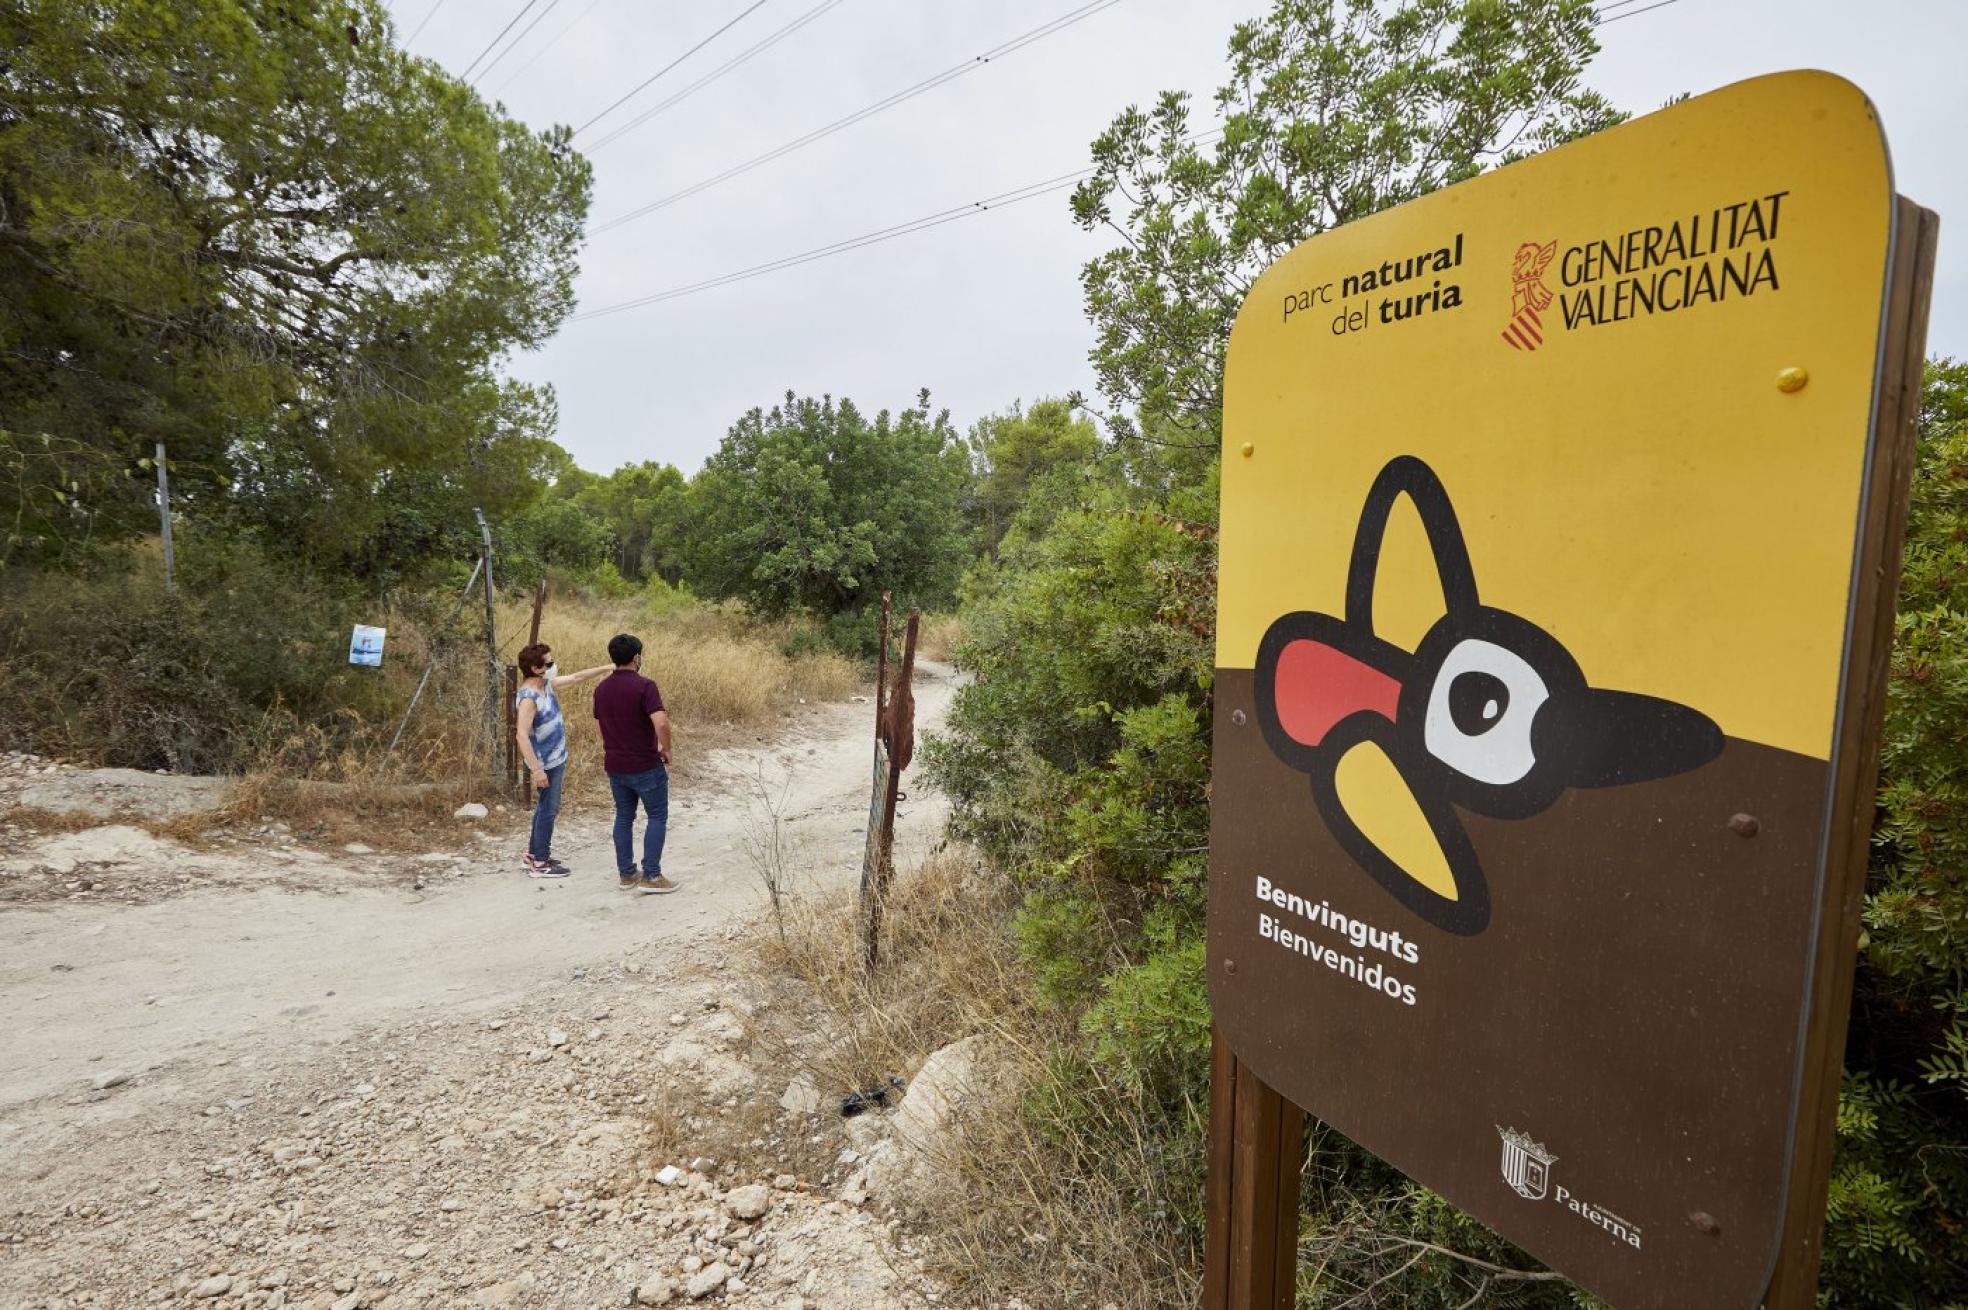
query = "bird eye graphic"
x=1480 y=711
x=1487 y=713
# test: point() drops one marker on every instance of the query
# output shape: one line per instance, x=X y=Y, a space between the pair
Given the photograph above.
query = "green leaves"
x=1334 y=109
x=1897 y=1232
x=813 y=508
x=229 y=226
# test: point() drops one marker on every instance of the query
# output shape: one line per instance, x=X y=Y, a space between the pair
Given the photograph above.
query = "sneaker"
x=558 y=867
x=542 y=869
x=626 y=881
x=657 y=884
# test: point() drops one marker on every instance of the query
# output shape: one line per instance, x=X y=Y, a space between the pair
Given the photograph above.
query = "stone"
x=470 y=810
x=659 y=1292
x=956 y=1081
x=749 y=1202
x=801 y=1096
x=417 y=1251
x=669 y=1175
x=353 y=1301
x=216 y=1285
x=102 y=1082
x=357 y=848
x=710 y=1280
x=555 y=1037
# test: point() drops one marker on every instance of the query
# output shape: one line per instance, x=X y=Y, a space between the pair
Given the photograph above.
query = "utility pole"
x=164 y=517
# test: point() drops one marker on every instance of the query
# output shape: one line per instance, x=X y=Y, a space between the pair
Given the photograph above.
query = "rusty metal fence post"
x=895 y=745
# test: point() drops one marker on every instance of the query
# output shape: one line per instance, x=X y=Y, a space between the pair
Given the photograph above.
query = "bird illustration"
x=1488 y=713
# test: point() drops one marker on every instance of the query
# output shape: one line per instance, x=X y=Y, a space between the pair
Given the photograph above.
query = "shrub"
x=1897 y=1226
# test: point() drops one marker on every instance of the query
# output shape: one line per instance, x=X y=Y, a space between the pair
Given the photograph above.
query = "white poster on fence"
x=366 y=645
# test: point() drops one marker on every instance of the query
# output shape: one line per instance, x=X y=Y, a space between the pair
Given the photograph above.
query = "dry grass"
x=1063 y=1195
x=948 y=970
x=720 y=674
x=373 y=810
x=938 y=636
x=713 y=666
x=340 y=782
x=35 y=819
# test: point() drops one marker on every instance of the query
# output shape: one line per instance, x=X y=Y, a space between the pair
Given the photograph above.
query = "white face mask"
x=553 y=671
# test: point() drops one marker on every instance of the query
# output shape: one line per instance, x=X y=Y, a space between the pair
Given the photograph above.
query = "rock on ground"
x=954 y=1083
x=109 y=793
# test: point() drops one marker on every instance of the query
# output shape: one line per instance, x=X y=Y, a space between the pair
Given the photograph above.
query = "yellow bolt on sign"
x=1546 y=575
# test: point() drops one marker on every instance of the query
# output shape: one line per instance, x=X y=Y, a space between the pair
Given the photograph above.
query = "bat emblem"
x=1489 y=713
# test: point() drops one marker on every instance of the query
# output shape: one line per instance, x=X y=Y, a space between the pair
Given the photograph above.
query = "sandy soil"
x=345 y=1081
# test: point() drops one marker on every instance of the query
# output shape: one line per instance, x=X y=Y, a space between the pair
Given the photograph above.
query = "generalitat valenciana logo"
x=1529 y=297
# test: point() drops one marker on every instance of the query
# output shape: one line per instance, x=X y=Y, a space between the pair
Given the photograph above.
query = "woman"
x=543 y=741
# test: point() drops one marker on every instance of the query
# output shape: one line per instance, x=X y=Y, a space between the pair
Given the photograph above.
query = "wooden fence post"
x=164 y=523
x=492 y=679
x=898 y=741
x=1250 y=1243
x=1794 y=1284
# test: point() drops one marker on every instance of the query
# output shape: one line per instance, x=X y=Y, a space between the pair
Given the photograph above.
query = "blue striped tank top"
x=549 y=732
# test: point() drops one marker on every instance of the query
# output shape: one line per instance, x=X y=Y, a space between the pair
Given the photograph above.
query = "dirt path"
x=306 y=1080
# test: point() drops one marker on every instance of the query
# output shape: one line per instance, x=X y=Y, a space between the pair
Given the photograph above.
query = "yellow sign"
x=1541 y=505
x=1518 y=334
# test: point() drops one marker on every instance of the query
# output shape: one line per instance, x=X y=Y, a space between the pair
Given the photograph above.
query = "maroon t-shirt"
x=623 y=702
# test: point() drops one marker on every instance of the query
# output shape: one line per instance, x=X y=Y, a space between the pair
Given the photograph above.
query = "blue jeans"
x=653 y=790
x=546 y=808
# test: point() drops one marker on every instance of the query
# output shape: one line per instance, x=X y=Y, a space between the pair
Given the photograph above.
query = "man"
x=635 y=739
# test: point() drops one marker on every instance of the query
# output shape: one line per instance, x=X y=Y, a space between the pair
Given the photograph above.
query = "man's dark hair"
x=623 y=649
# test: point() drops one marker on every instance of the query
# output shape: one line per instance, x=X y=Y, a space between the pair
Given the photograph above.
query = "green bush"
x=250 y=655
x=1897 y=1223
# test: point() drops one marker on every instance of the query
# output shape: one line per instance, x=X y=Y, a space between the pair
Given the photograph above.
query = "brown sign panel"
x=1542 y=502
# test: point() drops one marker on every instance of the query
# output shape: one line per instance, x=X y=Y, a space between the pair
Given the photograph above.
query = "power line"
x=714 y=74
x=638 y=88
x=1002 y=200
x=928 y=84
x=428 y=15
x=514 y=43
x=495 y=40
x=535 y=56
x=927 y=221
x=1635 y=13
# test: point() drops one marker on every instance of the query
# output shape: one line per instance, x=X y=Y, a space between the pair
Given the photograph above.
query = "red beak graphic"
x=1318 y=685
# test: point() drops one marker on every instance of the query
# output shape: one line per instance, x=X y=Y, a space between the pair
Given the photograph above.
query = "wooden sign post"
x=1561 y=530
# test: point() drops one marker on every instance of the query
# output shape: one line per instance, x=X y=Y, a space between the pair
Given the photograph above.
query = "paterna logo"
x=1526 y=1165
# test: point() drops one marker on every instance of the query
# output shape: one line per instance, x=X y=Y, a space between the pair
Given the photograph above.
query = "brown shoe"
x=657 y=885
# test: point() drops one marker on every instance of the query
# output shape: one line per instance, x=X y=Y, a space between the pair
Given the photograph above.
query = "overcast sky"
x=986 y=310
